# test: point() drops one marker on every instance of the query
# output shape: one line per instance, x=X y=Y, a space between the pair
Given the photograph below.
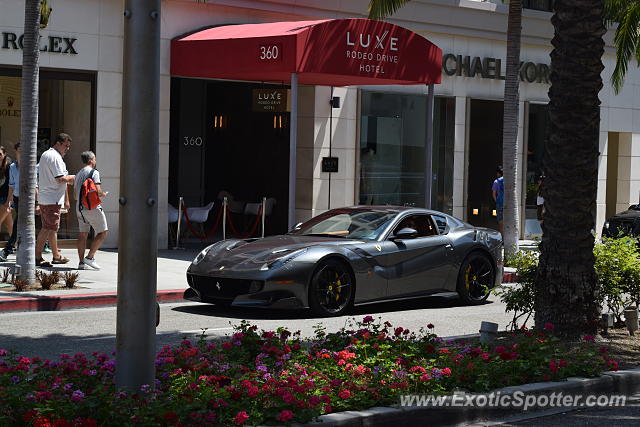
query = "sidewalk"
x=99 y=288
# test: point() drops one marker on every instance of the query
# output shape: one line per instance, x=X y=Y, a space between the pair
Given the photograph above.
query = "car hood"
x=628 y=214
x=253 y=254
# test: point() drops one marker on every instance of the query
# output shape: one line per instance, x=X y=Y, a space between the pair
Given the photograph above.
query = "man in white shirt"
x=53 y=178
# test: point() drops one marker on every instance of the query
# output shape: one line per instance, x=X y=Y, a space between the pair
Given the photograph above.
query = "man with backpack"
x=89 y=211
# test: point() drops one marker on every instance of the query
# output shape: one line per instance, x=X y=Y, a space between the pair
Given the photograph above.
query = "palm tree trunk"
x=29 y=131
x=510 y=146
x=566 y=289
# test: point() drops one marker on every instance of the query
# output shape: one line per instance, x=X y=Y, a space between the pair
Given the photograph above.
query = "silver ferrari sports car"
x=348 y=256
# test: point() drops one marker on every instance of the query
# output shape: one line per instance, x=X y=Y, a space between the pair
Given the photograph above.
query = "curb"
x=619 y=382
x=61 y=302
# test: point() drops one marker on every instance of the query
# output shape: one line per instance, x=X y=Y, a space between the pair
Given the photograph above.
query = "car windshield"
x=348 y=223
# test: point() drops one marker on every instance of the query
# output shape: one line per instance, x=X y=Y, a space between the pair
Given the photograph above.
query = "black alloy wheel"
x=476 y=278
x=331 y=289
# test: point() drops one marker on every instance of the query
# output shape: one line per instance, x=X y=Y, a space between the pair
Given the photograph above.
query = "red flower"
x=500 y=349
x=589 y=338
x=425 y=377
x=430 y=326
x=419 y=369
x=429 y=348
x=328 y=409
x=240 y=418
x=613 y=365
x=563 y=363
x=553 y=366
x=444 y=351
x=227 y=345
x=171 y=417
x=398 y=331
x=367 y=319
x=446 y=372
x=549 y=327
x=285 y=416
x=344 y=394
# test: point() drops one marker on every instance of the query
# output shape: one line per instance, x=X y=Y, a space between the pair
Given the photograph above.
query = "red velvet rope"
x=217 y=223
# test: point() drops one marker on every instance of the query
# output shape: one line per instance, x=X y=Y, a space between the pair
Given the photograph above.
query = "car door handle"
x=449 y=246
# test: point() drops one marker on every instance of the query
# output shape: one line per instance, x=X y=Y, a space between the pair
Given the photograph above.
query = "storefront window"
x=537 y=135
x=392 y=140
x=65 y=105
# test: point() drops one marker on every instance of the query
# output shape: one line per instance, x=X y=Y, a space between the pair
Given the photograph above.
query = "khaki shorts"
x=92 y=218
x=50 y=216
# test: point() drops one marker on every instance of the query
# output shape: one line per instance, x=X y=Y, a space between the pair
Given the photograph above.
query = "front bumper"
x=245 y=292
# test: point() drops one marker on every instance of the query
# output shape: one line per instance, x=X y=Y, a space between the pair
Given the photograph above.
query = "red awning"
x=334 y=52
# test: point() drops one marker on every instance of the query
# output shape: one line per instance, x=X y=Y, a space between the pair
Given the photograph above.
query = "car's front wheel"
x=476 y=278
x=331 y=289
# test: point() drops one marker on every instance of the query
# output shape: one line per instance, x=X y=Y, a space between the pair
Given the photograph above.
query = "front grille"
x=226 y=288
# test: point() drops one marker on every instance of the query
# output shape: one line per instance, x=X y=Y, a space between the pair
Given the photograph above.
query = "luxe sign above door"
x=271 y=100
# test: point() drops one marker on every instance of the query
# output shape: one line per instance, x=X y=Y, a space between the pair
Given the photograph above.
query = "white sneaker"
x=91 y=263
x=82 y=266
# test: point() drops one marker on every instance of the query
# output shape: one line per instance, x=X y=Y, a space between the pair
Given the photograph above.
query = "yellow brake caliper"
x=338 y=286
x=466 y=277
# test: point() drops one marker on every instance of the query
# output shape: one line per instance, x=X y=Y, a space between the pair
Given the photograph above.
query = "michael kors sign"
x=51 y=44
x=492 y=68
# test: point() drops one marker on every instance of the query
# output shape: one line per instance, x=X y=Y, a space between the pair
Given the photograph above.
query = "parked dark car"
x=349 y=256
x=625 y=223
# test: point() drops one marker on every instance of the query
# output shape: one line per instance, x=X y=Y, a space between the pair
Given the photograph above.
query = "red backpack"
x=89 y=198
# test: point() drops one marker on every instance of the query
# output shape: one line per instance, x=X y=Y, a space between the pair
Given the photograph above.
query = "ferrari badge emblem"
x=379 y=248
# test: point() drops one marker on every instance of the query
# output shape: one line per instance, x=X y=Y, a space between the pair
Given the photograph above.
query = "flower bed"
x=275 y=377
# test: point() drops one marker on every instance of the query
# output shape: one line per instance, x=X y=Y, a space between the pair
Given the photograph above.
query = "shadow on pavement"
x=204 y=309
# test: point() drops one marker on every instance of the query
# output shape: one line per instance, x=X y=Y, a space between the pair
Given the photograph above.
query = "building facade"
x=215 y=141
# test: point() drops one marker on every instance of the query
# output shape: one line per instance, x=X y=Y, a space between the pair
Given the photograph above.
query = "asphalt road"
x=49 y=333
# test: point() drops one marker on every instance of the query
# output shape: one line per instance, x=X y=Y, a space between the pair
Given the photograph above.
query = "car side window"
x=421 y=223
x=441 y=223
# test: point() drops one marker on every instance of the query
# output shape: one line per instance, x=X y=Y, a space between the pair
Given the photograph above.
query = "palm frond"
x=613 y=9
x=626 y=39
x=380 y=9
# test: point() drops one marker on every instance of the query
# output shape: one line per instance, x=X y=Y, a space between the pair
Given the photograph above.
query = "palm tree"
x=627 y=37
x=511 y=148
x=566 y=280
x=25 y=257
x=379 y=9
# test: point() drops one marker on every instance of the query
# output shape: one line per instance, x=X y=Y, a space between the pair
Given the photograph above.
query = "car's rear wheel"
x=476 y=278
x=331 y=289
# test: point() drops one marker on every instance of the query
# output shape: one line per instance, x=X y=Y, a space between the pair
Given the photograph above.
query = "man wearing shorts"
x=88 y=218
x=52 y=182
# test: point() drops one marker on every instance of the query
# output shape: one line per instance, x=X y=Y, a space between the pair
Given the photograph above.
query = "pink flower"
x=500 y=349
x=553 y=366
x=241 y=417
x=367 y=319
x=613 y=365
x=549 y=327
x=344 y=394
x=285 y=416
x=227 y=346
x=446 y=372
x=425 y=377
x=419 y=369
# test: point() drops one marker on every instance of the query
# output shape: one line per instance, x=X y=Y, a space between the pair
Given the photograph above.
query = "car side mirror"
x=405 y=233
x=296 y=227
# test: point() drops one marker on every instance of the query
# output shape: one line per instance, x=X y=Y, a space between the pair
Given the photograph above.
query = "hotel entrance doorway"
x=226 y=140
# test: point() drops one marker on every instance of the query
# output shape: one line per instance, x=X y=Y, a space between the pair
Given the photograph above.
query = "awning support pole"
x=428 y=150
x=293 y=135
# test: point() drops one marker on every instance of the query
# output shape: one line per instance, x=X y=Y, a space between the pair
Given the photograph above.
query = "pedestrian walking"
x=498 y=196
x=53 y=178
x=5 y=208
x=13 y=195
x=89 y=210
x=540 y=200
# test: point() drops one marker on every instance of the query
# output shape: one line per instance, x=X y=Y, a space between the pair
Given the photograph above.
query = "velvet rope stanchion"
x=211 y=231
x=253 y=228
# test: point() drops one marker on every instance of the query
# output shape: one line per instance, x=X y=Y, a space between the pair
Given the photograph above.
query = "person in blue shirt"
x=498 y=195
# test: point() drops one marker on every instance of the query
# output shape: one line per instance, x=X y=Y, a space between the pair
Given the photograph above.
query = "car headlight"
x=286 y=256
x=203 y=253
